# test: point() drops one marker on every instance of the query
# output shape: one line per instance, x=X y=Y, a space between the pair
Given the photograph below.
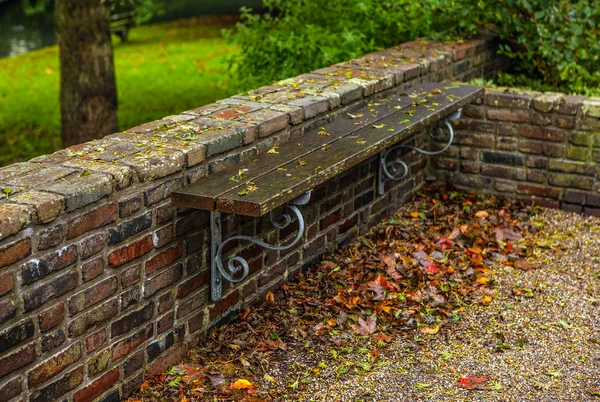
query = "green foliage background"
x=556 y=41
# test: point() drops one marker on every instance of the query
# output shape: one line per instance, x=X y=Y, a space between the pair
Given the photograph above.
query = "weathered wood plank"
x=203 y=194
x=301 y=174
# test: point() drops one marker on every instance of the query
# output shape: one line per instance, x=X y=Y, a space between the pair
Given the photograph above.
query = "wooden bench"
x=121 y=23
x=287 y=173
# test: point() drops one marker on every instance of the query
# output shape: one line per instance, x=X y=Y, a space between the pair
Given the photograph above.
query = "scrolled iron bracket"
x=237 y=269
x=398 y=169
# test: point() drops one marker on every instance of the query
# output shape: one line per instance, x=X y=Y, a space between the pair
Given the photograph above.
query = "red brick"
x=94 y=340
x=192 y=284
x=163 y=280
x=164 y=213
x=92 y=295
x=330 y=219
x=542 y=148
x=58 y=388
x=508 y=115
x=50 y=290
x=100 y=217
x=132 y=320
x=6 y=282
x=130 y=275
x=542 y=133
x=446 y=163
x=11 y=389
x=92 y=245
x=224 y=304
x=51 y=237
x=130 y=252
x=130 y=205
x=54 y=365
x=16 y=360
x=565 y=121
x=96 y=316
x=503 y=172
x=507 y=100
x=164 y=258
x=541 y=119
x=7 y=310
x=124 y=347
x=14 y=252
x=539 y=191
x=92 y=269
x=41 y=267
x=175 y=354
x=52 y=317
x=47 y=205
x=165 y=302
x=165 y=323
x=98 y=387
x=13 y=217
x=164 y=236
x=196 y=322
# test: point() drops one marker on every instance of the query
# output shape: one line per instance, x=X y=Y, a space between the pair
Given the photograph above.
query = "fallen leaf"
x=472 y=382
x=270 y=297
x=482 y=214
x=242 y=384
x=365 y=327
x=525 y=265
x=430 y=330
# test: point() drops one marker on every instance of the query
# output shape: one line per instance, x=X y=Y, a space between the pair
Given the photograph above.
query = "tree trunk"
x=88 y=92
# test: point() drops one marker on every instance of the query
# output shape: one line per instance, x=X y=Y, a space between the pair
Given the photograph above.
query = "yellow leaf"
x=482 y=279
x=430 y=330
x=487 y=299
x=379 y=125
x=273 y=150
x=242 y=384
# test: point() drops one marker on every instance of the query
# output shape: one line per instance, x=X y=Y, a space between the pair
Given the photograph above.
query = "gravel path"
x=539 y=340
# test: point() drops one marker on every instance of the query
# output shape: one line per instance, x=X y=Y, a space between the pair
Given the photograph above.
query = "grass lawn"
x=164 y=69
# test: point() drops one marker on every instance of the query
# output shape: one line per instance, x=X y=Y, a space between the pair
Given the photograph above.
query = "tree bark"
x=88 y=92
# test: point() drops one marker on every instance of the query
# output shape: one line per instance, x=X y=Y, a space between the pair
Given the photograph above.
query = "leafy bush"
x=297 y=36
x=555 y=41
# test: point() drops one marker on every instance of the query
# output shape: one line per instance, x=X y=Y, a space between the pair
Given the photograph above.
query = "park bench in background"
x=287 y=173
x=121 y=23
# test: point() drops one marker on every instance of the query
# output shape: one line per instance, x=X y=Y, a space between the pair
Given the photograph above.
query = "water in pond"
x=20 y=33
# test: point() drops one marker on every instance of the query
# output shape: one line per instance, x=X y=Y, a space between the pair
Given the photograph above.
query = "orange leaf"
x=483 y=279
x=242 y=384
x=482 y=214
x=270 y=297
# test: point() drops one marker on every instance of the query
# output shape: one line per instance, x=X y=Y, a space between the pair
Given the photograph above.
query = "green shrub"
x=298 y=36
x=555 y=41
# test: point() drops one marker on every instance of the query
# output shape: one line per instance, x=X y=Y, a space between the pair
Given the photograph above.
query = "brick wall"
x=542 y=148
x=102 y=281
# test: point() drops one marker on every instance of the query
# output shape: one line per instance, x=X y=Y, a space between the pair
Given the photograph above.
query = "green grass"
x=164 y=69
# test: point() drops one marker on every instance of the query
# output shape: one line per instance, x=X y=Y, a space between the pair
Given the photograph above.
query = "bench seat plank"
x=274 y=179
x=204 y=193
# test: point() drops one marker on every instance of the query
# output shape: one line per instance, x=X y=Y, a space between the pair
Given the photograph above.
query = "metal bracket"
x=237 y=268
x=398 y=169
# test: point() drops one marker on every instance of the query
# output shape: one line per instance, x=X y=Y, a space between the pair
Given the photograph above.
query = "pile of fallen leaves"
x=414 y=272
